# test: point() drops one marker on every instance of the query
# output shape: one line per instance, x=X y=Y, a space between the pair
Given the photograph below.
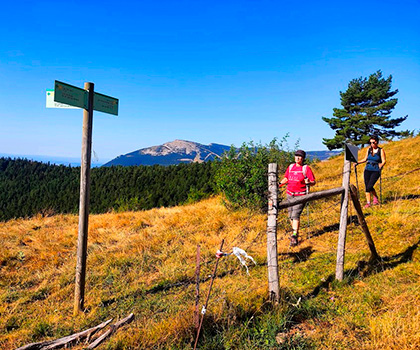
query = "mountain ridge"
x=183 y=151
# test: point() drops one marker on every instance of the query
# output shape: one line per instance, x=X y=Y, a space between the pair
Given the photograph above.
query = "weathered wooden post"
x=341 y=245
x=79 y=293
x=272 y=255
x=69 y=96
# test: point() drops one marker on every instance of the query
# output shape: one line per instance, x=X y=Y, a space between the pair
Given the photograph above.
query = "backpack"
x=304 y=167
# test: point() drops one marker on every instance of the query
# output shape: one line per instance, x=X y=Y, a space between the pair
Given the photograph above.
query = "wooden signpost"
x=67 y=96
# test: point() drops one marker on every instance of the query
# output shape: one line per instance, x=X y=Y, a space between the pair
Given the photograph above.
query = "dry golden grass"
x=144 y=262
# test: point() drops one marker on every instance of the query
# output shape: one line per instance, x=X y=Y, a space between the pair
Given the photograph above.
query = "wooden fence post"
x=272 y=254
x=341 y=245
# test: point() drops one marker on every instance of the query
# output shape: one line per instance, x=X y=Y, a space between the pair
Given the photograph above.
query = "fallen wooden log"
x=66 y=341
x=112 y=329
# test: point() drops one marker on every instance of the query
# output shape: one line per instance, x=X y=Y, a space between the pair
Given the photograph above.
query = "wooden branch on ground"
x=113 y=328
x=66 y=341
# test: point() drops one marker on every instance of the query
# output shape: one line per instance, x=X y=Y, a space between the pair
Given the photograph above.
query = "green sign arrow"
x=77 y=97
x=70 y=95
x=105 y=104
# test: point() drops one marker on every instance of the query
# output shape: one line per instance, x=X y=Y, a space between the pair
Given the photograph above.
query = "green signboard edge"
x=69 y=102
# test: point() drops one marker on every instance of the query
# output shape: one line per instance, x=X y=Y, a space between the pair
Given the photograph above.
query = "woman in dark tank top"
x=375 y=159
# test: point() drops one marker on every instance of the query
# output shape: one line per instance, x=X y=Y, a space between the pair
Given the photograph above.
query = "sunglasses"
x=372 y=142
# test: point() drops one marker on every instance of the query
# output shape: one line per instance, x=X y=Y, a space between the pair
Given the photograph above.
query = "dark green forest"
x=29 y=187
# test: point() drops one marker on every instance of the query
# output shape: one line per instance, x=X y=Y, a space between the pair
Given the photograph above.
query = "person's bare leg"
x=294 y=237
x=368 y=198
x=295 y=226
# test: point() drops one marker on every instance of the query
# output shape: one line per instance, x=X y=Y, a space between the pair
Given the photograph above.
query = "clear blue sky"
x=206 y=71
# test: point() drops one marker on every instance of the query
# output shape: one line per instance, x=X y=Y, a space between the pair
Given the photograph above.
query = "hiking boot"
x=367 y=205
x=375 y=201
x=294 y=241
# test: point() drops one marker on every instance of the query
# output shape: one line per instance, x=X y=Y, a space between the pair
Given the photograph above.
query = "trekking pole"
x=307 y=211
x=380 y=187
x=197 y=289
x=203 y=311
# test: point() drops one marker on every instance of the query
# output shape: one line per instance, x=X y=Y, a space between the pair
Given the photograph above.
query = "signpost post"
x=69 y=96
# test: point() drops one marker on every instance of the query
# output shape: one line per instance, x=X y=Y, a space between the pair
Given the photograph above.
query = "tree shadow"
x=395 y=197
x=368 y=268
x=300 y=256
x=411 y=196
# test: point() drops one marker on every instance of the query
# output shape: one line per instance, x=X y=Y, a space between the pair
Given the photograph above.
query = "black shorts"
x=370 y=179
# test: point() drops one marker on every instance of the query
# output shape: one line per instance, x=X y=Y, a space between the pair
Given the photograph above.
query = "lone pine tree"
x=367 y=106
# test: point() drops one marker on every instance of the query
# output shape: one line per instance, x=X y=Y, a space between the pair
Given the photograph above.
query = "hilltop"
x=182 y=151
x=171 y=153
x=144 y=262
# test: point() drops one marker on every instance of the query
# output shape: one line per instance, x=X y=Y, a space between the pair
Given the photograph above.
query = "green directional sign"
x=70 y=95
x=105 y=104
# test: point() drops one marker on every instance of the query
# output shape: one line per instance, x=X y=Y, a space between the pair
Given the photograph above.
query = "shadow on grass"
x=300 y=256
x=392 y=197
x=411 y=196
x=335 y=227
x=366 y=268
x=397 y=259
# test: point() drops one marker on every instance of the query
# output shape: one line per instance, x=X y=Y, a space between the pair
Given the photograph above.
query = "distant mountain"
x=322 y=155
x=175 y=152
x=181 y=151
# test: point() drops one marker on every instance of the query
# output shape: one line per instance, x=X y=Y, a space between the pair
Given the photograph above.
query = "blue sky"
x=206 y=71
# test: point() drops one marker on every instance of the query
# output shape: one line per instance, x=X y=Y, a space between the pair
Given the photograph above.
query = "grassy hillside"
x=144 y=262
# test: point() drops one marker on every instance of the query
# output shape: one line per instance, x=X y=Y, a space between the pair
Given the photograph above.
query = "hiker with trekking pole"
x=375 y=160
x=298 y=177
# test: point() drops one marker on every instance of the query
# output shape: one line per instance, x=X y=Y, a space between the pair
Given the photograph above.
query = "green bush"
x=242 y=175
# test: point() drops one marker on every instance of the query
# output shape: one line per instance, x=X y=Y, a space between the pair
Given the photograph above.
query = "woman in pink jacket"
x=298 y=178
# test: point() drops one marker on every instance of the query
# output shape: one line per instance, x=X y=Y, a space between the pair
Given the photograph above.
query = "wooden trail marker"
x=82 y=238
x=88 y=100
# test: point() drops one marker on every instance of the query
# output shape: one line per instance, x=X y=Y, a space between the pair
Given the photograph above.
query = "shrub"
x=242 y=174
